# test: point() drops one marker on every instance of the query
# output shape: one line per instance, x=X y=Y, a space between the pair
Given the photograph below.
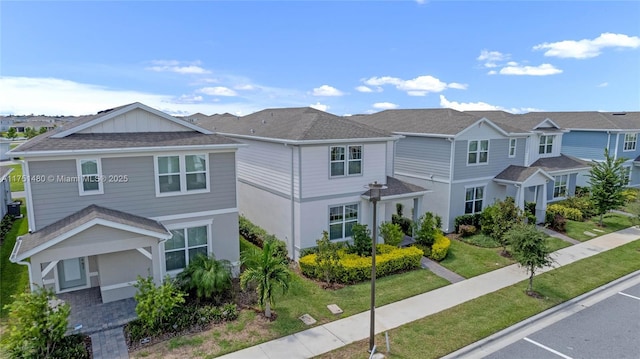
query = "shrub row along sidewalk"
x=333 y=335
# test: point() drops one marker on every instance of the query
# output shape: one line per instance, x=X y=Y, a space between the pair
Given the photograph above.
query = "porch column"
x=417 y=208
x=156 y=264
x=35 y=275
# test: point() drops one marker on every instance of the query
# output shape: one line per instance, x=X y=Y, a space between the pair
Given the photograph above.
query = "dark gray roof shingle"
x=591 y=120
x=4 y=170
x=85 y=215
x=442 y=121
x=515 y=173
x=396 y=187
x=560 y=163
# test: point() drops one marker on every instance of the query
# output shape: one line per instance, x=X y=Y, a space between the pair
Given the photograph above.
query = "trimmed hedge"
x=573 y=214
x=353 y=268
x=440 y=248
x=468 y=219
x=257 y=236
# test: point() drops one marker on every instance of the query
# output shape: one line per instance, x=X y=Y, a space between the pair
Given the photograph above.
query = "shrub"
x=498 y=218
x=36 y=329
x=362 y=241
x=428 y=229
x=440 y=248
x=555 y=221
x=353 y=268
x=573 y=214
x=257 y=236
x=406 y=225
x=391 y=233
x=468 y=219
x=467 y=230
x=156 y=304
x=207 y=276
x=327 y=258
x=584 y=204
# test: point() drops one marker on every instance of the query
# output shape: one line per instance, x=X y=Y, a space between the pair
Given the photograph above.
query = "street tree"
x=529 y=249
x=12 y=133
x=607 y=181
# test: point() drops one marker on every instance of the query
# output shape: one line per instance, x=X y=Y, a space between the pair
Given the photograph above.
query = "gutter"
x=12 y=259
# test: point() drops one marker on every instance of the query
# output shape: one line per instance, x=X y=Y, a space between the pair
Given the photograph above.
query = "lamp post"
x=374 y=197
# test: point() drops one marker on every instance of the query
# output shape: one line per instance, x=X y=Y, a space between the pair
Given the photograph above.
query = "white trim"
x=27 y=187
x=182 y=172
x=479 y=122
x=194 y=214
x=474 y=200
x=116 y=286
x=49 y=267
x=515 y=147
x=310 y=142
x=477 y=152
x=343 y=221
x=80 y=178
x=87 y=280
x=346 y=161
x=48 y=281
x=635 y=142
x=93 y=274
x=116 y=152
x=185 y=225
x=145 y=253
x=85 y=226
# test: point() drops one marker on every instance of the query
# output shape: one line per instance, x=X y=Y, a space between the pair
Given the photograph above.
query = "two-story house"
x=468 y=161
x=5 y=190
x=305 y=171
x=590 y=132
x=127 y=192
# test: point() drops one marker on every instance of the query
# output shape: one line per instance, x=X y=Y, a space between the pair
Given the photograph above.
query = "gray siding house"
x=5 y=190
x=129 y=191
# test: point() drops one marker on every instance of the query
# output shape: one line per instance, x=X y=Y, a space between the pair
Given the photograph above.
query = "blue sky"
x=344 y=57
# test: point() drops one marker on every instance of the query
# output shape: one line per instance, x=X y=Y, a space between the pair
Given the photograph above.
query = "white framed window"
x=185 y=245
x=181 y=174
x=89 y=176
x=345 y=160
x=513 y=142
x=546 y=144
x=478 y=152
x=473 y=200
x=341 y=220
x=560 y=186
x=630 y=141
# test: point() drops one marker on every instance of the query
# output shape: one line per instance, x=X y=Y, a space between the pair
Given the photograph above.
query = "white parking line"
x=547 y=348
x=629 y=295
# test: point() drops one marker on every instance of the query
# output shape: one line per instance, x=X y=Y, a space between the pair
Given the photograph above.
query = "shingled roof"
x=591 y=120
x=294 y=124
x=518 y=174
x=86 y=215
x=395 y=187
x=561 y=163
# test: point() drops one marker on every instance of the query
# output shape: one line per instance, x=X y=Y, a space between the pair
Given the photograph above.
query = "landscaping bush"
x=391 y=233
x=207 y=277
x=428 y=229
x=573 y=214
x=555 y=221
x=257 y=236
x=362 y=241
x=499 y=217
x=440 y=248
x=156 y=304
x=352 y=268
x=468 y=219
x=405 y=224
x=5 y=226
x=467 y=230
x=583 y=203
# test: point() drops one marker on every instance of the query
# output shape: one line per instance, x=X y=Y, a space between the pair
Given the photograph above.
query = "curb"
x=463 y=352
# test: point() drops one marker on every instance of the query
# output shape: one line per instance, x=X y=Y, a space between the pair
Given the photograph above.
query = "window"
x=89 y=177
x=512 y=147
x=181 y=174
x=560 y=186
x=341 y=220
x=473 y=200
x=478 y=152
x=626 y=175
x=546 y=144
x=630 y=140
x=184 y=246
x=345 y=160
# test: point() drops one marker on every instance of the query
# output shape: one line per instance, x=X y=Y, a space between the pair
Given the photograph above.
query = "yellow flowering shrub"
x=440 y=247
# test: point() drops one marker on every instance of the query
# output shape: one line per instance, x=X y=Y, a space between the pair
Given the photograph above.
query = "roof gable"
x=479 y=124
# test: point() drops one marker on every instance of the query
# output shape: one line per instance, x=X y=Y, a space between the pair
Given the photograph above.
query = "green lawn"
x=15 y=178
x=469 y=260
x=14 y=278
x=612 y=222
x=452 y=329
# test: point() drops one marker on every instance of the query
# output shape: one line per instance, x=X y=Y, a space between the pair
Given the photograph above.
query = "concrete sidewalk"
x=330 y=336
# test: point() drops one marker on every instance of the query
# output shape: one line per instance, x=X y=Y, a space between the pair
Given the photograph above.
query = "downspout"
x=293 y=222
x=29 y=198
x=12 y=259
x=608 y=139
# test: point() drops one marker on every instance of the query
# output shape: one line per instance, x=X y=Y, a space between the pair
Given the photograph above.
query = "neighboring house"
x=468 y=161
x=305 y=171
x=591 y=132
x=5 y=190
x=5 y=144
x=128 y=192
x=5 y=123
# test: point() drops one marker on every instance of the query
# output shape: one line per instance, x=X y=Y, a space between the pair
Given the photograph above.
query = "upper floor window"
x=473 y=200
x=630 y=141
x=89 y=176
x=478 y=152
x=512 y=147
x=181 y=174
x=341 y=220
x=560 y=186
x=184 y=245
x=345 y=160
x=546 y=144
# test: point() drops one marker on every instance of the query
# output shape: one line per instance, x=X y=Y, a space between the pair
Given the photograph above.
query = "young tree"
x=362 y=241
x=12 y=133
x=268 y=271
x=208 y=276
x=606 y=179
x=37 y=324
x=529 y=249
x=327 y=258
x=155 y=304
x=391 y=233
x=42 y=130
x=428 y=228
x=498 y=218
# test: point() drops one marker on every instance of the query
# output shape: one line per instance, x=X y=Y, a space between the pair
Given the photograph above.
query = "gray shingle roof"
x=517 y=173
x=396 y=187
x=297 y=124
x=4 y=170
x=94 y=141
x=561 y=163
x=56 y=229
x=443 y=121
x=592 y=120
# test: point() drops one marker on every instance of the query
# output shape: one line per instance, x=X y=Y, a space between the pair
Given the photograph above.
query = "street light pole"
x=374 y=197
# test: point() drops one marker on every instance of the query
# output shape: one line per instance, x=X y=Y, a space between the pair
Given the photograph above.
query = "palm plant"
x=266 y=270
x=208 y=276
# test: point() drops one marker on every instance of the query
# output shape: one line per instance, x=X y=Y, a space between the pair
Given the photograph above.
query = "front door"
x=72 y=273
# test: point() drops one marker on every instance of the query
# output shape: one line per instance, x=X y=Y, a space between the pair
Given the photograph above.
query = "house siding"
x=423 y=157
x=137 y=120
x=586 y=145
x=498 y=159
x=53 y=200
x=266 y=164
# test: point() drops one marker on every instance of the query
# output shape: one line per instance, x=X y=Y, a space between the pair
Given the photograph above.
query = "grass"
x=457 y=327
x=469 y=260
x=15 y=178
x=14 y=278
x=612 y=222
x=481 y=240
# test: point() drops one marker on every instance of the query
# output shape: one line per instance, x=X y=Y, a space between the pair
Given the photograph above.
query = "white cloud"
x=326 y=90
x=244 y=87
x=604 y=84
x=363 y=89
x=587 y=48
x=188 y=99
x=481 y=106
x=492 y=57
x=492 y=72
x=385 y=105
x=419 y=86
x=217 y=91
x=541 y=70
x=319 y=106
x=177 y=67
